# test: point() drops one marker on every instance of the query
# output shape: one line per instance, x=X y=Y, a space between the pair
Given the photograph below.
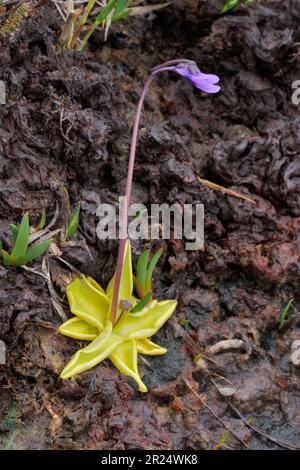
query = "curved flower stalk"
x=117 y=324
x=120 y=342
x=205 y=82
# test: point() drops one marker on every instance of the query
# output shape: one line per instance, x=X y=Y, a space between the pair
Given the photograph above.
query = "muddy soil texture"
x=67 y=124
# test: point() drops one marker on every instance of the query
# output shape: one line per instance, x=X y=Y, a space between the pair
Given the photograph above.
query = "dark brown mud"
x=68 y=118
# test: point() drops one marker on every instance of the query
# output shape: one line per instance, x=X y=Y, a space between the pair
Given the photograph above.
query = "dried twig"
x=216 y=416
x=195 y=348
x=230 y=192
x=60 y=9
x=56 y=301
x=63 y=261
x=276 y=441
x=34 y=271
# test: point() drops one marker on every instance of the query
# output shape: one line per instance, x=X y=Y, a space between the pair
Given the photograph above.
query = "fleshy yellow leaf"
x=124 y=358
x=126 y=284
x=78 y=329
x=95 y=284
x=146 y=322
x=145 y=346
x=141 y=267
x=87 y=302
x=93 y=354
x=109 y=289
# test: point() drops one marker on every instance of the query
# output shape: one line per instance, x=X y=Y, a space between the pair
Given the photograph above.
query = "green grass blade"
x=73 y=223
x=105 y=12
x=284 y=313
x=86 y=13
x=21 y=243
x=141 y=267
x=151 y=267
x=14 y=231
x=36 y=251
x=120 y=7
x=102 y=15
x=7 y=261
x=42 y=222
x=229 y=5
x=139 y=289
x=142 y=303
x=121 y=10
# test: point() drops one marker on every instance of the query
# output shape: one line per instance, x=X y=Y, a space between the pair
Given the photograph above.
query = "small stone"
x=295 y=356
x=296 y=345
x=227 y=391
x=2 y=353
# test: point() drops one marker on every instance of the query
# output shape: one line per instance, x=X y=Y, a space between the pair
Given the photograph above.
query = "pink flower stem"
x=124 y=222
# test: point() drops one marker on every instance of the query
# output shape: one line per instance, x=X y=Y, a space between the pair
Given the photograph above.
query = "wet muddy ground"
x=67 y=121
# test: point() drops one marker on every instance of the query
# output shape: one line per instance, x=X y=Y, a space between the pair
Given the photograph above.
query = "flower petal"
x=189 y=70
x=146 y=322
x=124 y=358
x=209 y=77
x=145 y=346
x=87 y=302
x=78 y=329
x=91 y=355
x=205 y=85
x=183 y=71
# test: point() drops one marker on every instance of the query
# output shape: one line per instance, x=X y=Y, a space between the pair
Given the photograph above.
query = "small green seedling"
x=144 y=271
x=284 y=314
x=230 y=4
x=196 y=359
x=139 y=215
x=184 y=322
x=20 y=253
x=223 y=440
x=142 y=303
x=73 y=223
x=41 y=223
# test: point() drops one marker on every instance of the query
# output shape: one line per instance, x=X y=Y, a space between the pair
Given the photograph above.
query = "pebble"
x=295 y=356
x=227 y=391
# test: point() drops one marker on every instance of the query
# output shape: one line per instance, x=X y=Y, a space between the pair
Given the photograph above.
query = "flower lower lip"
x=190 y=71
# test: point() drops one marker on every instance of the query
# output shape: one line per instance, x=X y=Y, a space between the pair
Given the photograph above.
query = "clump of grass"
x=80 y=23
x=144 y=271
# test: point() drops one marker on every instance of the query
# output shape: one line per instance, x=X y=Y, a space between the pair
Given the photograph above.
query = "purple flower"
x=189 y=70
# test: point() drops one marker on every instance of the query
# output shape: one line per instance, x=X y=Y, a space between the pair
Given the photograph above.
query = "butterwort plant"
x=119 y=321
